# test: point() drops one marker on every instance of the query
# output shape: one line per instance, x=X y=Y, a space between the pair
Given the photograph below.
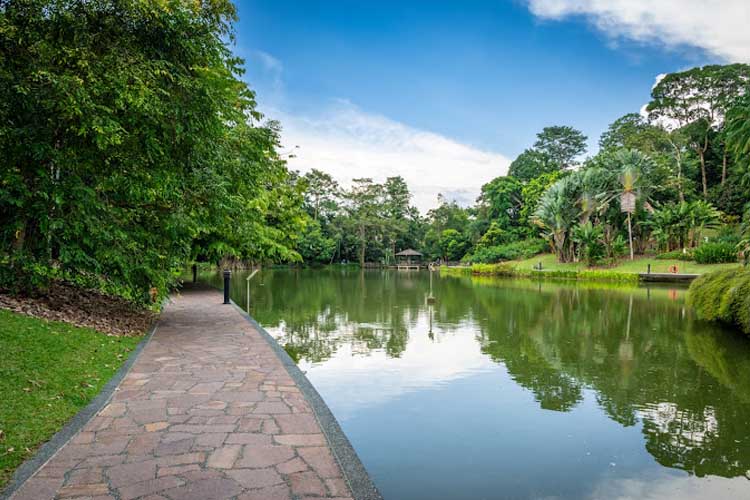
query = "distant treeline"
x=662 y=182
x=131 y=148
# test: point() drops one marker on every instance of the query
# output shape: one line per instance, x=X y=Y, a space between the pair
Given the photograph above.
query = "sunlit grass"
x=48 y=371
x=625 y=265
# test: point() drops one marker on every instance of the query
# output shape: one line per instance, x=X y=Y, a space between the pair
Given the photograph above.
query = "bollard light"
x=195 y=273
x=227 y=275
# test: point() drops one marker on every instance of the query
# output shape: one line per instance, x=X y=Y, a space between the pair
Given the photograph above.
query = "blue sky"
x=447 y=93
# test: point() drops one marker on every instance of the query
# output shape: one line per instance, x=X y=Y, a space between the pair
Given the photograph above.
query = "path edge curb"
x=44 y=454
x=359 y=481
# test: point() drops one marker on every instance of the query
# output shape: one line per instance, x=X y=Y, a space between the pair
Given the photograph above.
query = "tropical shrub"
x=683 y=254
x=589 y=240
x=723 y=296
x=715 y=253
x=511 y=251
x=493 y=269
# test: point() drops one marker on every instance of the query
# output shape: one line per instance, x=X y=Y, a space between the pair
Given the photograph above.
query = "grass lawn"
x=48 y=371
x=639 y=265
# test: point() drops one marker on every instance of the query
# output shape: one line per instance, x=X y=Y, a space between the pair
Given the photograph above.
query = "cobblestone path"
x=208 y=411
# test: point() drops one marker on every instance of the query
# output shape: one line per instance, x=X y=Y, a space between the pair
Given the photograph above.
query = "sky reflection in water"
x=518 y=389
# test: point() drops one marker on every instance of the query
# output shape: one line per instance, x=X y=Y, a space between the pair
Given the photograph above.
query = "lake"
x=516 y=388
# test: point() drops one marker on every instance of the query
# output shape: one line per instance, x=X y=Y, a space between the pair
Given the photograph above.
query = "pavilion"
x=408 y=259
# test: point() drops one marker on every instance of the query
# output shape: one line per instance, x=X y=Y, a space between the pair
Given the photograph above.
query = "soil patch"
x=90 y=308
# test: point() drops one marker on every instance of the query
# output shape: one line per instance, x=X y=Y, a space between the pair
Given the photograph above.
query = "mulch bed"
x=88 y=308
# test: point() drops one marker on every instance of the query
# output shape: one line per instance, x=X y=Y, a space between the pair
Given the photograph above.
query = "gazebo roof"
x=408 y=253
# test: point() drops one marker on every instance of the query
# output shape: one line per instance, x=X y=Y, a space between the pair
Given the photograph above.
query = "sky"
x=447 y=94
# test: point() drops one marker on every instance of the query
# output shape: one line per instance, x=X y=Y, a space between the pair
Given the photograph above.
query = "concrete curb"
x=356 y=475
x=48 y=450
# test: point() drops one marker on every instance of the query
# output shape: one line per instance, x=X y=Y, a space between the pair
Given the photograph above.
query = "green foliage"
x=715 y=253
x=508 y=270
x=314 y=246
x=453 y=245
x=493 y=269
x=590 y=242
x=723 y=296
x=532 y=191
x=510 y=251
x=500 y=202
x=685 y=254
x=131 y=146
x=562 y=144
x=531 y=164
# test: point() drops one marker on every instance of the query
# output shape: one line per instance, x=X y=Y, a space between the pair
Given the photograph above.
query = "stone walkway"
x=208 y=411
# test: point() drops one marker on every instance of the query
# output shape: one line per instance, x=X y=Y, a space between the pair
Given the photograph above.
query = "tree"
x=500 y=202
x=365 y=211
x=561 y=144
x=321 y=193
x=130 y=146
x=533 y=191
x=531 y=164
x=697 y=100
x=556 y=214
x=630 y=165
x=396 y=210
x=453 y=245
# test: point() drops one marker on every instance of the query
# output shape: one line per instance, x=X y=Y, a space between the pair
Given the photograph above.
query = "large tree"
x=562 y=144
x=129 y=145
x=696 y=101
x=531 y=164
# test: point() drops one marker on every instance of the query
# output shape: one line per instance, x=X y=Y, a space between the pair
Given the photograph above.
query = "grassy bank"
x=626 y=271
x=49 y=370
x=723 y=296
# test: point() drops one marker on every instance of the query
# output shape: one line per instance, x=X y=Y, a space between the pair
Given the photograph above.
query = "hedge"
x=723 y=296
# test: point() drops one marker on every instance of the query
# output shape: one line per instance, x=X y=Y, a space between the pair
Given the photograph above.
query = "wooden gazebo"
x=408 y=259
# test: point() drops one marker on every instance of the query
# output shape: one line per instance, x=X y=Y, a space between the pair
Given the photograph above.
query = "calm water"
x=518 y=389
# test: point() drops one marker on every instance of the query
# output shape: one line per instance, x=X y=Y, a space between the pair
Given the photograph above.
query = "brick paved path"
x=208 y=411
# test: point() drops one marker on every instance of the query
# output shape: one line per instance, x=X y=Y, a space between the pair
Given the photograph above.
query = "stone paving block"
x=264 y=456
x=224 y=457
x=255 y=478
x=207 y=412
x=148 y=487
x=306 y=483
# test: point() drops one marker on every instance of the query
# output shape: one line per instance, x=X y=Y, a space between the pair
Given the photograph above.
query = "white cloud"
x=717 y=26
x=348 y=143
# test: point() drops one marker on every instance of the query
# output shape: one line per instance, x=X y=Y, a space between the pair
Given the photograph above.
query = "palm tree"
x=556 y=213
x=630 y=164
x=701 y=215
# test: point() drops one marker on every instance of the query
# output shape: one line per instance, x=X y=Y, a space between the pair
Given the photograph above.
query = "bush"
x=677 y=255
x=715 y=253
x=493 y=269
x=510 y=251
x=723 y=296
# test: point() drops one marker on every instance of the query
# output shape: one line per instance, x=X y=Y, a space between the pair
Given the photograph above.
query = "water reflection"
x=371 y=341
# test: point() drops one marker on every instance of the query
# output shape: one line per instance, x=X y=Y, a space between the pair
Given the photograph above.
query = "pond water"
x=517 y=389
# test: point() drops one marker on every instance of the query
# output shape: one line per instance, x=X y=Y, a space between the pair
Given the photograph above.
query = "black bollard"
x=227 y=275
x=195 y=273
x=649 y=269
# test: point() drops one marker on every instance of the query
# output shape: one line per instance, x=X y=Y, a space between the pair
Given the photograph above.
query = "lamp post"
x=227 y=275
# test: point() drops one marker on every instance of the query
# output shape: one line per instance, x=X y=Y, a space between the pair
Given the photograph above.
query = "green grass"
x=626 y=271
x=639 y=265
x=48 y=371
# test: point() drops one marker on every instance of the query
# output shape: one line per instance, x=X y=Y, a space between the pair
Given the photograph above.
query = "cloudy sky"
x=446 y=94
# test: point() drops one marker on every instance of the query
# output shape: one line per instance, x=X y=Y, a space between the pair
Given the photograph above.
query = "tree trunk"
x=630 y=236
x=724 y=168
x=678 y=156
x=702 y=155
x=362 y=246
